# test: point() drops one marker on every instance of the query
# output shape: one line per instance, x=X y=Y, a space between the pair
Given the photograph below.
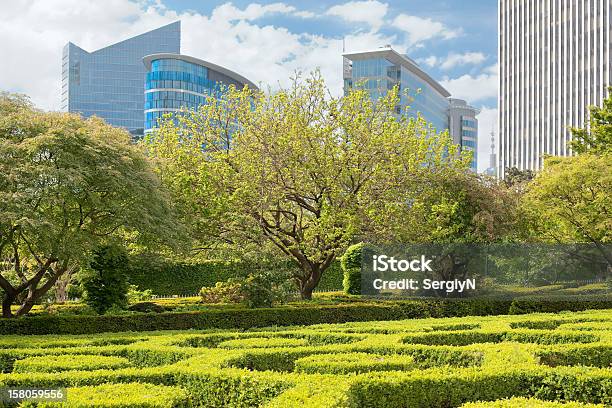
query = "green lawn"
x=564 y=357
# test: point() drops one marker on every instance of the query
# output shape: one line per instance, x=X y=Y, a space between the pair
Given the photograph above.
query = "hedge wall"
x=284 y=316
x=164 y=277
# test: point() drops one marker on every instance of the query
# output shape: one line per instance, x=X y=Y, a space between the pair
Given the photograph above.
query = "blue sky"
x=455 y=41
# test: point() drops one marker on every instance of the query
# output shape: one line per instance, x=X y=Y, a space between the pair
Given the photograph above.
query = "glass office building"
x=109 y=82
x=463 y=126
x=174 y=82
x=380 y=70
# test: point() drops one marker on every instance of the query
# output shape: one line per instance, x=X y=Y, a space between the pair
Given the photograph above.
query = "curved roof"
x=150 y=58
x=395 y=57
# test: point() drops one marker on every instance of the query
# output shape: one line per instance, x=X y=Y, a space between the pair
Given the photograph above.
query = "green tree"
x=66 y=184
x=105 y=281
x=298 y=169
x=597 y=137
x=570 y=200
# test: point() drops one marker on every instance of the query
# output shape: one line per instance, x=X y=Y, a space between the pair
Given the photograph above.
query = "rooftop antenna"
x=343 y=45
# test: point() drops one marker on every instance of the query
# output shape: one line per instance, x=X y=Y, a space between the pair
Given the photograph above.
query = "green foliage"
x=51 y=364
x=66 y=185
x=569 y=201
x=241 y=318
x=597 y=137
x=105 y=283
x=134 y=295
x=346 y=363
x=223 y=292
x=166 y=277
x=351 y=268
x=384 y=364
x=302 y=172
x=134 y=395
x=266 y=289
x=527 y=403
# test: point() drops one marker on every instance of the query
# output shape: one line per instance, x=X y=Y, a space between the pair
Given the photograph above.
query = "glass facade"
x=464 y=128
x=175 y=82
x=108 y=83
x=469 y=139
x=378 y=74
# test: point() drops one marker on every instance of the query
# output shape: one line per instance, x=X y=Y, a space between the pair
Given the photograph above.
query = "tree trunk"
x=308 y=285
x=7 y=302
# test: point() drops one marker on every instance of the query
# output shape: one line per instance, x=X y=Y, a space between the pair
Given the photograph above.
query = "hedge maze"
x=537 y=360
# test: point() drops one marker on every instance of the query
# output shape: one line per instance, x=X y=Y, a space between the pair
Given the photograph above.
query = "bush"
x=135 y=395
x=278 y=316
x=51 y=364
x=365 y=365
x=134 y=295
x=166 y=277
x=105 y=283
x=346 y=363
x=527 y=403
x=256 y=290
x=351 y=268
x=223 y=292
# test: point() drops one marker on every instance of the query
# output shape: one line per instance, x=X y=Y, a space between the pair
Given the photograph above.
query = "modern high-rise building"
x=554 y=61
x=174 y=82
x=381 y=70
x=109 y=82
x=463 y=126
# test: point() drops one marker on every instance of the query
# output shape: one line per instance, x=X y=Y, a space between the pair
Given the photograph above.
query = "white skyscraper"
x=554 y=61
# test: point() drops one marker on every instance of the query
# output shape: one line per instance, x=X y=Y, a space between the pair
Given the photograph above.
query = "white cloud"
x=487 y=121
x=430 y=61
x=420 y=29
x=468 y=58
x=33 y=33
x=473 y=88
x=371 y=12
x=253 y=11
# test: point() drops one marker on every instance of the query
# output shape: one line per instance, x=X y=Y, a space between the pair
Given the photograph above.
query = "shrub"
x=365 y=365
x=51 y=364
x=351 y=268
x=223 y=292
x=166 y=277
x=105 y=283
x=134 y=295
x=527 y=403
x=346 y=363
x=263 y=342
x=266 y=289
x=123 y=395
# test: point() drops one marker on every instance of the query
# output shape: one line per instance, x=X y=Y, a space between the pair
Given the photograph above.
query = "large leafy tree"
x=569 y=201
x=66 y=185
x=597 y=137
x=300 y=169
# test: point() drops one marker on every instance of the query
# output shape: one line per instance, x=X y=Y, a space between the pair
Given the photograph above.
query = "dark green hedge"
x=165 y=277
x=278 y=316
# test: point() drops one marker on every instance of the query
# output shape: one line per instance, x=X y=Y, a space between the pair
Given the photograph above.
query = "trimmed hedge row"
x=365 y=364
x=285 y=315
x=353 y=363
x=528 y=403
x=55 y=363
x=164 y=277
x=135 y=395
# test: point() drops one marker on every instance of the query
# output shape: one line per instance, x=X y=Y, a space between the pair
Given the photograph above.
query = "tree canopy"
x=597 y=137
x=300 y=169
x=66 y=185
x=569 y=201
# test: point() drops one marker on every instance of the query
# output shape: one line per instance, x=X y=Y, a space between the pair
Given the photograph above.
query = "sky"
x=455 y=41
